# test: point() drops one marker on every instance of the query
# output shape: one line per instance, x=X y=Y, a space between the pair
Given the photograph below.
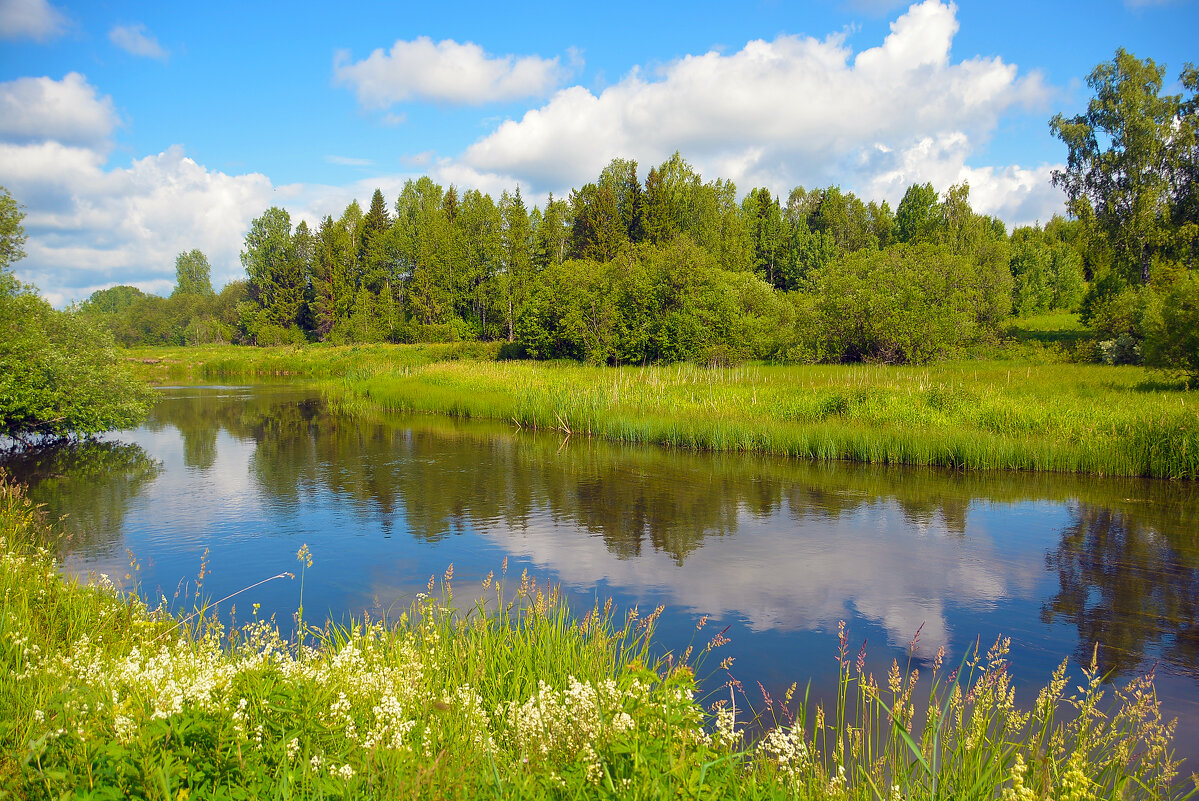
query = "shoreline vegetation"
x=515 y=696
x=1013 y=415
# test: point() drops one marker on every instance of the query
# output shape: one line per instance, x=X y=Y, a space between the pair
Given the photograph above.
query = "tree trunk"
x=1144 y=264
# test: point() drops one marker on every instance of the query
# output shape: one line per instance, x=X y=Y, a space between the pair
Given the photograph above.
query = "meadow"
x=975 y=415
x=1036 y=413
x=106 y=694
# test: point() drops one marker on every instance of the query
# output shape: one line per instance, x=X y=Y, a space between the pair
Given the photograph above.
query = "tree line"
x=625 y=270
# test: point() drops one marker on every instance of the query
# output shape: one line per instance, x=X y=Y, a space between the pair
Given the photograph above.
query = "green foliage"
x=1172 y=341
x=915 y=217
x=904 y=304
x=653 y=303
x=59 y=375
x=12 y=235
x=114 y=300
x=275 y=269
x=1126 y=155
x=192 y=274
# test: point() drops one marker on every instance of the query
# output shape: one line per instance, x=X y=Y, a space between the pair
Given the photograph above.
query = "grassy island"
x=1019 y=415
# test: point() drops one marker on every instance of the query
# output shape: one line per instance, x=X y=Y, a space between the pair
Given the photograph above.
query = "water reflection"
x=88 y=484
x=781 y=550
x=1129 y=585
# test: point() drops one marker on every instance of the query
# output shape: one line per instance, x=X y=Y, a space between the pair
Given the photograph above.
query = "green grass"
x=190 y=364
x=975 y=415
x=515 y=697
x=1051 y=337
x=1013 y=415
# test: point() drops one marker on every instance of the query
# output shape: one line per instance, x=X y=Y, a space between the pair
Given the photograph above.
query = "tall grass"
x=512 y=696
x=194 y=363
x=1098 y=420
x=1066 y=418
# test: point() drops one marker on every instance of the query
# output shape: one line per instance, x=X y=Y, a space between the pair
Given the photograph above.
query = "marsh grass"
x=197 y=363
x=997 y=415
x=513 y=696
x=1012 y=415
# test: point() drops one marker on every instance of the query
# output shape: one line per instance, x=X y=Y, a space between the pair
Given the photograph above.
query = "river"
x=775 y=552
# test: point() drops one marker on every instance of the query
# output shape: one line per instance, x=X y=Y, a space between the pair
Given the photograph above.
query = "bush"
x=59 y=373
x=906 y=304
x=1172 y=342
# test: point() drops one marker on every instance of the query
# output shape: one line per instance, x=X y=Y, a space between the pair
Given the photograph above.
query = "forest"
x=625 y=272
x=676 y=267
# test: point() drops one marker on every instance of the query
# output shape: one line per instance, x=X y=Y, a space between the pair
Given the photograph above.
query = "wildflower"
x=346 y=772
x=1018 y=791
x=304 y=555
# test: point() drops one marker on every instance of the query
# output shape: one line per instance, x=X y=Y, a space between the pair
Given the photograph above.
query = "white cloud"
x=136 y=40
x=795 y=110
x=1015 y=194
x=91 y=226
x=799 y=570
x=35 y=19
x=68 y=111
x=445 y=72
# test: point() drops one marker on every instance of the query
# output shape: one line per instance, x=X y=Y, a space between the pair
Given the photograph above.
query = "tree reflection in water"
x=779 y=543
x=1129 y=586
x=89 y=483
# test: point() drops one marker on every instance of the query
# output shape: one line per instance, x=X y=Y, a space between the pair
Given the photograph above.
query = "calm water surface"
x=777 y=551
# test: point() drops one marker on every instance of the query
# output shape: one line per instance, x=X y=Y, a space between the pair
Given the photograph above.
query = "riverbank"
x=515 y=697
x=1091 y=419
x=973 y=415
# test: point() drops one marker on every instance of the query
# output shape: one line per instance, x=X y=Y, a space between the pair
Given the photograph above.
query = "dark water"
x=778 y=551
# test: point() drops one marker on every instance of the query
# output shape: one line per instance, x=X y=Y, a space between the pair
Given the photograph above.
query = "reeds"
x=1007 y=415
x=1062 y=418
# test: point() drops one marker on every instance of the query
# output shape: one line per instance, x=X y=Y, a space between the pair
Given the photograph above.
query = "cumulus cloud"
x=33 y=19
x=136 y=40
x=445 y=72
x=68 y=111
x=91 y=226
x=1018 y=195
x=794 y=110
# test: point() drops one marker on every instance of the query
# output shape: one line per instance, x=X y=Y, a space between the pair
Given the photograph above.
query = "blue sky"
x=133 y=131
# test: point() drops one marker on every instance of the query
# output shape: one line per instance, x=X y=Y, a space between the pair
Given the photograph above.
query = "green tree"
x=1172 y=341
x=597 y=231
x=276 y=272
x=373 y=251
x=12 y=235
x=1123 y=152
x=553 y=234
x=516 y=248
x=916 y=215
x=1032 y=266
x=192 y=274
x=59 y=373
x=765 y=219
x=905 y=304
